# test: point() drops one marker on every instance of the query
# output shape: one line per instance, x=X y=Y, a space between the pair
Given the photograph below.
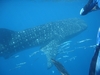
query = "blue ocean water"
x=19 y=15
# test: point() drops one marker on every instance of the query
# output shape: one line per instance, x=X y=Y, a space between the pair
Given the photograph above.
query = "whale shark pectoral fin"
x=50 y=50
x=5 y=35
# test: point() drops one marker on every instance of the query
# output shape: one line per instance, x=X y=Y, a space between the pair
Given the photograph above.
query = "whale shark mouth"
x=49 y=36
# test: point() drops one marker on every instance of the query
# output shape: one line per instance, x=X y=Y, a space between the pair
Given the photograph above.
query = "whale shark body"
x=49 y=36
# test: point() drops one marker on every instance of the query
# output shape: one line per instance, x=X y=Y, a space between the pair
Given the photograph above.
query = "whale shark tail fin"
x=5 y=35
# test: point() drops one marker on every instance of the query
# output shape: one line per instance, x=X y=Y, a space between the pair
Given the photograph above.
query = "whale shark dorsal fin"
x=5 y=35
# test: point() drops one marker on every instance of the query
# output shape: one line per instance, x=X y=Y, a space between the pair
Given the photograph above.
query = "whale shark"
x=48 y=36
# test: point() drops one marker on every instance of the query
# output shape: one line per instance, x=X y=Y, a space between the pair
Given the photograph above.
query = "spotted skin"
x=49 y=36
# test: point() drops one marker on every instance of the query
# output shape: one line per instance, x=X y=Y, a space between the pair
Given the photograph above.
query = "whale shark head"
x=49 y=36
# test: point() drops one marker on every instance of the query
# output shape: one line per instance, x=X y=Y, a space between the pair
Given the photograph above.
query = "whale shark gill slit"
x=49 y=36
